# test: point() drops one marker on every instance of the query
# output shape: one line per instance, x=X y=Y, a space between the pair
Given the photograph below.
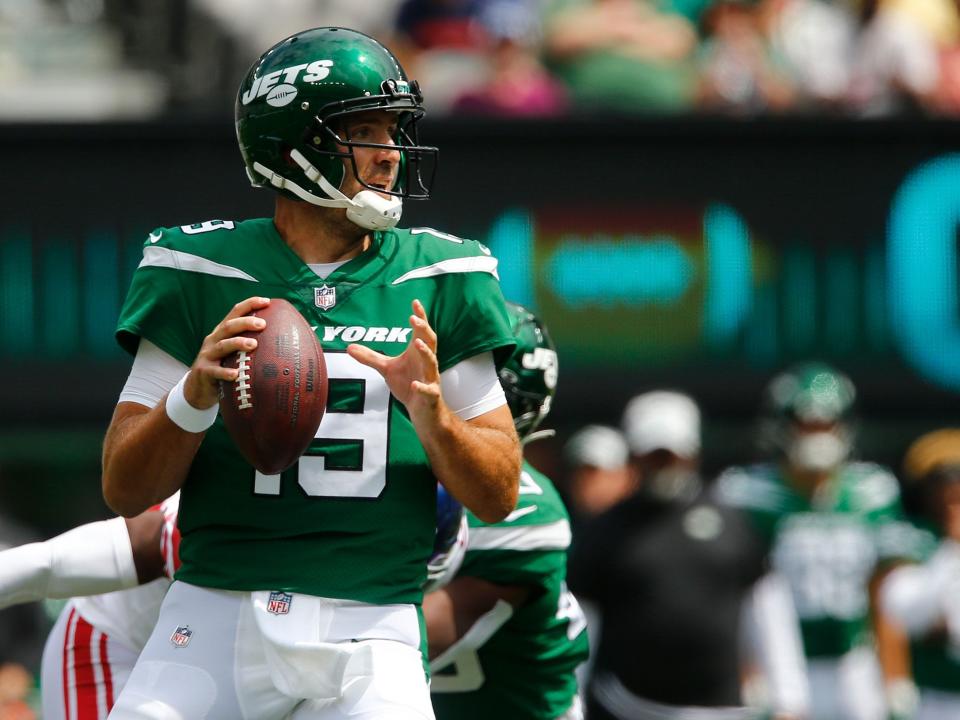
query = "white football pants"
x=848 y=688
x=222 y=655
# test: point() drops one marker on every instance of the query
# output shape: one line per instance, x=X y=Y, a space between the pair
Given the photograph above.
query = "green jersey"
x=355 y=517
x=525 y=668
x=827 y=547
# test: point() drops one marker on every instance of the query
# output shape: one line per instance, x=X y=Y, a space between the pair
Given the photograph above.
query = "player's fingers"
x=370 y=358
x=428 y=361
x=235 y=326
x=422 y=330
x=245 y=307
x=227 y=346
x=227 y=373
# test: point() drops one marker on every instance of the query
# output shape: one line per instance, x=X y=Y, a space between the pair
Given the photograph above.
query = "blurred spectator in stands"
x=740 y=73
x=897 y=67
x=679 y=584
x=813 y=41
x=518 y=83
x=598 y=475
x=256 y=28
x=478 y=56
x=833 y=528
x=925 y=597
x=622 y=55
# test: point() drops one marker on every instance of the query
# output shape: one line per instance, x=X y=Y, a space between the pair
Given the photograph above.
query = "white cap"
x=597 y=445
x=662 y=420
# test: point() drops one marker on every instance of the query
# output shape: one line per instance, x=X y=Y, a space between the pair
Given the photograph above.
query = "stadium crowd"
x=543 y=58
x=809 y=585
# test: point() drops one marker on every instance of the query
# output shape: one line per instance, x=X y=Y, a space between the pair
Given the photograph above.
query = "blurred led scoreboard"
x=668 y=251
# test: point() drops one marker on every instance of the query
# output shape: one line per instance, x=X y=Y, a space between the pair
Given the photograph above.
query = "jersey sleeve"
x=753 y=492
x=878 y=496
x=157 y=306
x=470 y=314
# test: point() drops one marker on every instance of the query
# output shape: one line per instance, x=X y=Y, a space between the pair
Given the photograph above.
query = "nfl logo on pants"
x=279 y=603
x=181 y=636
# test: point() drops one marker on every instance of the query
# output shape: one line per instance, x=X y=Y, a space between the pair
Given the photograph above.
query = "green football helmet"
x=289 y=120
x=808 y=416
x=529 y=376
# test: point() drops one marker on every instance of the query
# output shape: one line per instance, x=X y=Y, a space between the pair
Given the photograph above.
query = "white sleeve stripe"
x=554 y=536
x=479 y=263
x=165 y=257
x=153 y=374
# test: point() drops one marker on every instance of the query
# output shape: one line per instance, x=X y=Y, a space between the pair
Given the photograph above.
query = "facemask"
x=817 y=452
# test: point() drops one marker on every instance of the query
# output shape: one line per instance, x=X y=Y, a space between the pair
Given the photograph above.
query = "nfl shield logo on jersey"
x=279 y=603
x=325 y=297
x=181 y=636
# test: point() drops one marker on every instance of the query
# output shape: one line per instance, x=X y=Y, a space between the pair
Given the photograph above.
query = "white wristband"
x=186 y=416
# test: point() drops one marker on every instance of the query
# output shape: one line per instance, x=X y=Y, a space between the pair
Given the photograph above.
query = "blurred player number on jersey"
x=688 y=279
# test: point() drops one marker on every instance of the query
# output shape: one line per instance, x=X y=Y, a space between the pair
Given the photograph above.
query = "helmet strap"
x=366 y=209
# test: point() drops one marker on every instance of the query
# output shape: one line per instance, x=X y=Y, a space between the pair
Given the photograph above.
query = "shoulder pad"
x=752 y=486
x=872 y=486
x=183 y=233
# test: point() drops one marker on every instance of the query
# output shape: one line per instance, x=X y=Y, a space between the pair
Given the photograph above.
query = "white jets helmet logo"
x=279 y=83
x=543 y=359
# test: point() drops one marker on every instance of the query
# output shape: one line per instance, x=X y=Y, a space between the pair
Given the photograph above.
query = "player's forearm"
x=88 y=560
x=146 y=457
x=773 y=633
x=477 y=461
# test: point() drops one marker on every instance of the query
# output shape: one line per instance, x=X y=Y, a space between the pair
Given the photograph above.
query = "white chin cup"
x=372 y=211
x=818 y=452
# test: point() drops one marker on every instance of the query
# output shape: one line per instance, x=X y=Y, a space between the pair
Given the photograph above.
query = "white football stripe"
x=165 y=257
x=453 y=265
x=555 y=536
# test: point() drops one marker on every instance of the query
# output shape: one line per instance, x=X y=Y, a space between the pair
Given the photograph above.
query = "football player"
x=125 y=566
x=505 y=635
x=832 y=526
x=115 y=574
x=924 y=597
x=307 y=585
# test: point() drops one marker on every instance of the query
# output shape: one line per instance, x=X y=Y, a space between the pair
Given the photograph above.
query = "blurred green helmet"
x=529 y=376
x=808 y=414
x=289 y=120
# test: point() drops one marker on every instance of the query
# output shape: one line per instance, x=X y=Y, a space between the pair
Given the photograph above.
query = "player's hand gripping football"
x=413 y=376
x=202 y=389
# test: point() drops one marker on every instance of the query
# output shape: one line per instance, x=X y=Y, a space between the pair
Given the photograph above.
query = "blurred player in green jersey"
x=924 y=597
x=505 y=635
x=832 y=525
x=300 y=593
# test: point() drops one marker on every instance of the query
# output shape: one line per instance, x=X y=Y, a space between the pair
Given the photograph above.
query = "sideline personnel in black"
x=671 y=573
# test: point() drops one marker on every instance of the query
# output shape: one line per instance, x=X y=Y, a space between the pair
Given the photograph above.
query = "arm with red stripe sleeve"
x=170 y=535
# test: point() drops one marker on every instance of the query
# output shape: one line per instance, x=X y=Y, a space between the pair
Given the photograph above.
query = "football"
x=274 y=407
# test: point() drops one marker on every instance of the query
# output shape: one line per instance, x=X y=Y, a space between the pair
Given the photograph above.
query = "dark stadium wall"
x=698 y=253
